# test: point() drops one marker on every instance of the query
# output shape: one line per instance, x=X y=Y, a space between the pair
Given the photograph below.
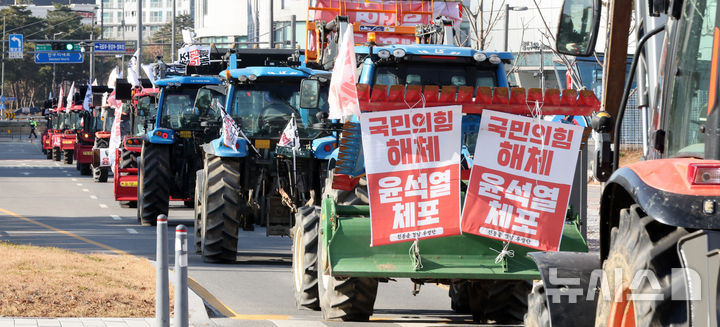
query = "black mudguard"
x=567 y=277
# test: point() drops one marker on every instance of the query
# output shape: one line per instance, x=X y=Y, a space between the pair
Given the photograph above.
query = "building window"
x=156 y=16
x=154 y=3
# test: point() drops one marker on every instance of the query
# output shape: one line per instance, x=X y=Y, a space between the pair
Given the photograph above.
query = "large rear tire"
x=128 y=159
x=56 y=154
x=100 y=174
x=223 y=209
x=85 y=169
x=641 y=243
x=48 y=153
x=154 y=175
x=459 y=296
x=68 y=156
x=304 y=261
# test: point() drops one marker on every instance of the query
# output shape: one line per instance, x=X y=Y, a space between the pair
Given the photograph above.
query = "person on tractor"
x=33 y=126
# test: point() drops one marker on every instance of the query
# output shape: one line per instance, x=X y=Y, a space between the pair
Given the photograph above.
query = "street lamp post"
x=53 y=81
x=507 y=21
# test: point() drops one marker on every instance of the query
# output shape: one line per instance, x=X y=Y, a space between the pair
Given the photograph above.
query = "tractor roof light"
x=252 y=77
x=398 y=53
x=242 y=78
x=495 y=59
x=371 y=38
x=704 y=174
x=479 y=56
x=383 y=54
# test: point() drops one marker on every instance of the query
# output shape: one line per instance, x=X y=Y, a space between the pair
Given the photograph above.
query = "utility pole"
x=293 y=30
x=2 y=83
x=102 y=33
x=270 y=24
x=139 y=31
x=92 y=55
x=172 y=38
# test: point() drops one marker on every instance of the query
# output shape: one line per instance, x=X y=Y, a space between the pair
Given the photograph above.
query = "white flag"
x=70 y=96
x=115 y=132
x=289 y=135
x=230 y=129
x=343 y=97
x=149 y=72
x=94 y=83
x=88 y=98
x=112 y=79
x=60 y=99
x=134 y=69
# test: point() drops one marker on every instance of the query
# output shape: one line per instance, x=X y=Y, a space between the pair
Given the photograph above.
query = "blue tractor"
x=172 y=149
x=259 y=181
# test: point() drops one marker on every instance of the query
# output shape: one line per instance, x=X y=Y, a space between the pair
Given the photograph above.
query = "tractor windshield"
x=178 y=110
x=55 y=121
x=688 y=98
x=264 y=109
x=147 y=109
x=423 y=73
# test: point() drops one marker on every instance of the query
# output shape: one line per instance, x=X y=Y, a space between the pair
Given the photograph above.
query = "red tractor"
x=141 y=115
x=64 y=139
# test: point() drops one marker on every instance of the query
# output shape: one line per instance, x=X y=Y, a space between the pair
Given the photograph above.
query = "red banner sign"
x=412 y=163
x=520 y=186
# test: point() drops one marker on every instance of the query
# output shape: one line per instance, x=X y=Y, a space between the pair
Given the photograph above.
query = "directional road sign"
x=43 y=47
x=16 y=46
x=59 y=57
x=109 y=47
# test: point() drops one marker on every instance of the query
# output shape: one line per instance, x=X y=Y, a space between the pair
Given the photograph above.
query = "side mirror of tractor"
x=578 y=27
x=602 y=124
x=309 y=94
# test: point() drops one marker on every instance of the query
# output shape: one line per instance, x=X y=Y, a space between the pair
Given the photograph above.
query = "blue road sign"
x=59 y=57
x=109 y=46
x=16 y=46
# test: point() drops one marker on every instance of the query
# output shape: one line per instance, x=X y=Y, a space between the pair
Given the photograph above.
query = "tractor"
x=335 y=269
x=262 y=180
x=143 y=108
x=659 y=227
x=172 y=148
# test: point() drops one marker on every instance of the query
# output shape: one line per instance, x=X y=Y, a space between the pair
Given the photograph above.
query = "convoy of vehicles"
x=263 y=180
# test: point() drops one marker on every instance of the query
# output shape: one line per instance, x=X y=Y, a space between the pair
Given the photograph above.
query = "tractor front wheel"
x=100 y=174
x=501 y=301
x=304 y=261
x=223 y=209
x=538 y=314
x=638 y=245
x=85 y=169
x=153 y=183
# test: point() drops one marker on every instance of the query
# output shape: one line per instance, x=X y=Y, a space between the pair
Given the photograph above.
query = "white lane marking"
x=104 y=206
x=131 y=230
x=94 y=197
x=116 y=217
x=78 y=184
x=86 y=190
x=75 y=180
x=26 y=173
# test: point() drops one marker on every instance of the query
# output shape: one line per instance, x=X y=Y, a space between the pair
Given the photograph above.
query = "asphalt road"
x=46 y=203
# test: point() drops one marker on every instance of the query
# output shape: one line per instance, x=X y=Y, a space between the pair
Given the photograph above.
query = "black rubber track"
x=223 y=207
x=154 y=175
x=305 y=243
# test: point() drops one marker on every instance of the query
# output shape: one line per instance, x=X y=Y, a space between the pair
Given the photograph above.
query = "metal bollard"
x=181 y=286
x=162 y=292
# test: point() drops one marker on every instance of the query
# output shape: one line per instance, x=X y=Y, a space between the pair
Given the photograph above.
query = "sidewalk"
x=77 y=322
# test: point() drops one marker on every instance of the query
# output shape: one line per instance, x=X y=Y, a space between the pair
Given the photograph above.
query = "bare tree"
x=482 y=22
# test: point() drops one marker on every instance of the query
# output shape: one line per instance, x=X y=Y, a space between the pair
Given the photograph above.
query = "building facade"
x=247 y=22
x=119 y=17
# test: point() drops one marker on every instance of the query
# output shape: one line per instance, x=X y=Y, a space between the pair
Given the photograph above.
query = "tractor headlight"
x=383 y=54
x=479 y=56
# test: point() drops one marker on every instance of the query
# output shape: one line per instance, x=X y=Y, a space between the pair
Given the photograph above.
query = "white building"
x=119 y=17
x=221 y=21
x=41 y=8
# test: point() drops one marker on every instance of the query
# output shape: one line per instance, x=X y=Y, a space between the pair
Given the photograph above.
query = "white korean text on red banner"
x=412 y=160
x=520 y=186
